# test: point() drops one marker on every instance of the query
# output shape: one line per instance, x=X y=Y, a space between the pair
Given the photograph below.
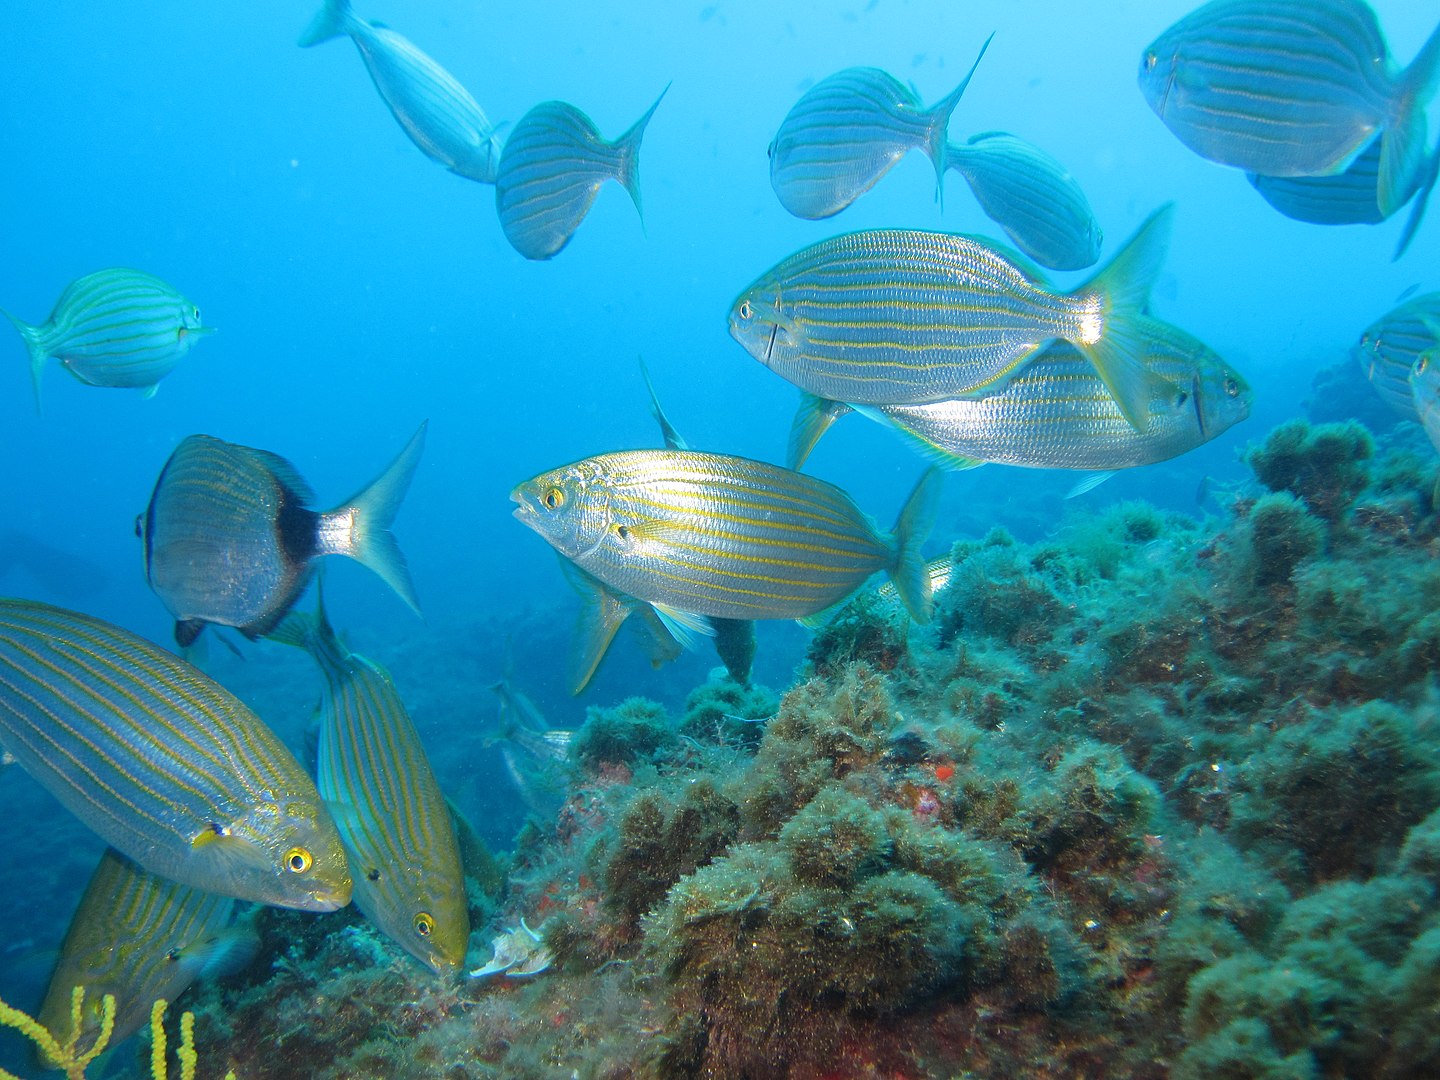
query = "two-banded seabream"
x=439 y=115
x=695 y=534
x=553 y=165
x=905 y=317
x=116 y=327
x=230 y=538
x=391 y=813
x=161 y=762
x=1293 y=88
x=847 y=131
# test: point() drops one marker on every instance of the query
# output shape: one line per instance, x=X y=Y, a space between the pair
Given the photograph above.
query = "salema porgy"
x=161 y=762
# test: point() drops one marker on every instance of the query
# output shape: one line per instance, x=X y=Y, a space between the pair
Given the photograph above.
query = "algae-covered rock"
x=1323 y=465
x=633 y=732
x=1281 y=534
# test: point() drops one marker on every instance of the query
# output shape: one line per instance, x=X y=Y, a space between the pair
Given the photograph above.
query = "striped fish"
x=163 y=763
x=139 y=937
x=438 y=114
x=1389 y=347
x=1425 y=388
x=900 y=317
x=695 y=534
x=1032 y=197
x=1057 y=414
x=1292 y=88
x=1350 y=197
x=551 y=170
x=395 y=822
x=847 y=131
x=114 y=327
x=230 y=539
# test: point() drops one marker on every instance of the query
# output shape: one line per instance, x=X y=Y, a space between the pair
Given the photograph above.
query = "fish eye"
x=140 y=526
x=1151 y=59
x=195 y=314
x=1421 y=364
x=554 y=499
x=298 y=860
x=424 y=924
x=1231 y=387
x=745 y=310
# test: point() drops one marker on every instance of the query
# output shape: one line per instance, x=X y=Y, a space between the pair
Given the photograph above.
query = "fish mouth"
x=328 y=900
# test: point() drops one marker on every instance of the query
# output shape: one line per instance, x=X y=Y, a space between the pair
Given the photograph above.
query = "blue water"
x=360 y=289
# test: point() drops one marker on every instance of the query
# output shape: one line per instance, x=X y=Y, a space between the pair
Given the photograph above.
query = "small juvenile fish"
x=114 y=327
x=551 y=170
x=1032 y=197
x=1057 y=414
x=847 y=131
x=163 y=763
x=395 y=824
x=438 y=114
x=695 y=534
x=138 y=937
x=230 y=539
x=904 y=317
x=1292 y=88
x=1390 y=346
x=1348 y=198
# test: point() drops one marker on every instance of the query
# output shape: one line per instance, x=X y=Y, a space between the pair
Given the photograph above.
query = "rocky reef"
x=1155 y=796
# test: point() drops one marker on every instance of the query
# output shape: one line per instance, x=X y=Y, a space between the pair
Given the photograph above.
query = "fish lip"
x=328 y=901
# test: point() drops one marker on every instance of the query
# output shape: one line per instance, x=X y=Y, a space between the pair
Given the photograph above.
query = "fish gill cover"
x=1155 y=792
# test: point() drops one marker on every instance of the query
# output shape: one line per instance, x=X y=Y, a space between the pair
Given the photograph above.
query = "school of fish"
x=960 y=345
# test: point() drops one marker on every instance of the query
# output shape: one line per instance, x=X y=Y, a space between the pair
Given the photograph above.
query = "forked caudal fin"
x=38 y=355
x=937 y=119
x=628 y=148
x=1402 y=146
x=917 y=517
x=334 y=19
x=1112 y=334
x=360 y=526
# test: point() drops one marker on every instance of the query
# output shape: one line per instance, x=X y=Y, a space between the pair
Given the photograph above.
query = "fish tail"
x=36 y=348
x=937 y=119
x=1115 y=342
x=308 y=630
x=1402 y=146
x=368 y=516
x=334 y=19
x=917 y=517
x=1422 y=200
x=628 y=148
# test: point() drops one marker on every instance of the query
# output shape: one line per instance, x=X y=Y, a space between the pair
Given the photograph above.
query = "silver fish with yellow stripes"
x=850 y=129
x=138 y=937
x=114 y=327
x=901 y=317
x=695 y=534
x=394 y=820
x=1057 y=414
x=1032 y=197
x=552 y=167
x=438 y=114
x=230 y=539
x=163 y=763
x=1292 y=88
x=1389 y=347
